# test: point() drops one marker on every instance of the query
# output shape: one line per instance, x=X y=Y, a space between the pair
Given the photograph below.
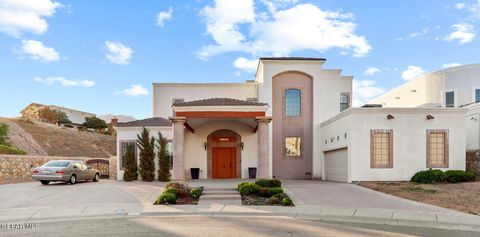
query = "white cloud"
x=370 y=71
x=246 y=64
x=164 y=16
x=460 y=5
x=464 y=33
x=118 y=53
x=447 y=65
x=135 y=90
x=279 y=33
x=37 y=51
x=364 y=91
x=20 y=16
x=411 y=72
x=65 y=82
x=474 y=10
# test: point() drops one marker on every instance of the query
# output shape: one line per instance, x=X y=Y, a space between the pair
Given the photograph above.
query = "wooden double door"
x=224 y=162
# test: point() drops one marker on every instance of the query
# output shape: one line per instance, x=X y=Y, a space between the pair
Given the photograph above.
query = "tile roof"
x=149 y=122
x=218 y=102
x=294 y=58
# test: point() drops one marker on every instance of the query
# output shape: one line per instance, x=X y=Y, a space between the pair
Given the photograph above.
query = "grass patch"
x=419 y=189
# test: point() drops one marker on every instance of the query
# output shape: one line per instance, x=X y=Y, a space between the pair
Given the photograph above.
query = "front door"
x=224 y=162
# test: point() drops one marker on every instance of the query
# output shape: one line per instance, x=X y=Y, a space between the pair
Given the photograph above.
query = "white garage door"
x=336 y=165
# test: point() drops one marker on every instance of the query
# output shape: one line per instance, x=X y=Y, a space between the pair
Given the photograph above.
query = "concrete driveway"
x=34 y=200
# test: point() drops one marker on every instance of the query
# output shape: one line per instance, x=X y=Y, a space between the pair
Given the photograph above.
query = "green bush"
x=196 y=192
x=242 y=184
x=274 y=200
x=457 y=176
x=176 y=185
x=173 y=191
x=274 y=191
x=11 y=150
x=281 y=196
x=249 y=188
x=4 y=134
x=269 y=183
x=287 y=202
x=167 y=198
x=429 y=177
x=263 y=192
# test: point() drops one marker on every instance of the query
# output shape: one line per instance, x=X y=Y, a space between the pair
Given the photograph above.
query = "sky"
x=103 y=56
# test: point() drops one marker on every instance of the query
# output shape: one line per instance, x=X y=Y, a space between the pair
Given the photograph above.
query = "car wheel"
x=73 y=179
x=96 y=178
x=45 y=182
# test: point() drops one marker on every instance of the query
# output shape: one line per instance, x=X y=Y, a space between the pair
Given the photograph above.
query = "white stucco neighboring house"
x=77 y=117
x=295 y=121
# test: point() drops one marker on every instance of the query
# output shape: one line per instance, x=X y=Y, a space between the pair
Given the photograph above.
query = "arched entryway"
x=224 y=155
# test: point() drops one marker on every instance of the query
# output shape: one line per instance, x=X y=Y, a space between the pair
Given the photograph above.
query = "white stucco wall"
x=472 y=124
x=409 y=142
x=164 y=93
x=327 y=86
x=196 y=155
x=124 y=134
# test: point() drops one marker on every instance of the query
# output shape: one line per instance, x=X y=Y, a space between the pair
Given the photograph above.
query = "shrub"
x=176 y=185
x=146 y=145
x=273 y=191
x=166 y=198
x=287 y=202
x=457 y=176
x=3 y=134
x=281 y=196
x=163 y=158
x=196 y=192
x=131 y=172
x=429 y=177
x=263 y=192
x=269 y=183
x=249 y=188
x=173 y=191
x=242 y=184
x=274 y=200
x=4 y=149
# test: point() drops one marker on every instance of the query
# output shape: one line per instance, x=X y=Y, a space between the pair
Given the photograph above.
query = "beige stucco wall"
x=472 y=124
x=196 y=155
x=126 y=134
x=409 y=150
x=164 y=93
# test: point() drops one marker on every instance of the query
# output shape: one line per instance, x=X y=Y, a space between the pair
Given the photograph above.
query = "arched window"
x=292 y=102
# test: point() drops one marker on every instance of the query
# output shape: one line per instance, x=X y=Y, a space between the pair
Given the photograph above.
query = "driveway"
x=331 y=194
x=33 y=200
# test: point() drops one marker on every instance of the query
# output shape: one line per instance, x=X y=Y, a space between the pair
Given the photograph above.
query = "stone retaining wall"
x=17 y=168
x=473 y=162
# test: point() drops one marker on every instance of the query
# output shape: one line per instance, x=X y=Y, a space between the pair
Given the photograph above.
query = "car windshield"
x=56 y=163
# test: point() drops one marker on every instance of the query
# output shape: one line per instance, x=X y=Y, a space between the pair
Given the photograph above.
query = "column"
x=178 y=145
x=263 y=147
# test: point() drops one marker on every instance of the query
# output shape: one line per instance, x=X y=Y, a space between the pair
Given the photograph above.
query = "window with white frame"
x=344 y=101
x=450 y=99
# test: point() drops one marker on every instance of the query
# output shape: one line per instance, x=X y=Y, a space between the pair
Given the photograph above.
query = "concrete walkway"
x=33 y=202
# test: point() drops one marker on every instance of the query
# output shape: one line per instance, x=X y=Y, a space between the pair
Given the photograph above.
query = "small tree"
x=130 y=173
x=4 y=134
x=62 y=117
x=163 y=159
x=94 y=123
x=146 y=145
x=48 y=115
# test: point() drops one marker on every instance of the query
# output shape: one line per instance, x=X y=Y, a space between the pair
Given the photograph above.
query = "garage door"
x=336 y=165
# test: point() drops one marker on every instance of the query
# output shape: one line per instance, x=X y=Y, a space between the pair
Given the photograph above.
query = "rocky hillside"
x=46 y=139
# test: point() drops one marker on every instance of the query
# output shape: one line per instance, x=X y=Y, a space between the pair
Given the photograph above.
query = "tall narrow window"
x=437 y=148
x=293 y=146
x=381 y=148
x=292 y=102
x=450 y=99
x=344 y=101
x=125 y=147
x=477 y=95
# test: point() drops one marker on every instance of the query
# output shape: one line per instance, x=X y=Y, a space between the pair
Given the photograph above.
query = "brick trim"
x=445 y=152
x=390 y=150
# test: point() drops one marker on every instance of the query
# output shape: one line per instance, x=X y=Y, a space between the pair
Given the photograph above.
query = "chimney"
x=113 y=122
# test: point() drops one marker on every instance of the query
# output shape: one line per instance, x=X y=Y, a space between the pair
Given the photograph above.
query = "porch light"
x=390 y=116
x=242 y=145
x=429 y=117
x=205 y=145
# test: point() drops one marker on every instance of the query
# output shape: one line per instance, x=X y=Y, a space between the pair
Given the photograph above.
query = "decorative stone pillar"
x=178 y=145
x=263 y=171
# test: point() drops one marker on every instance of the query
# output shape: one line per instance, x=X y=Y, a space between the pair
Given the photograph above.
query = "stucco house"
x=295 y=121
x=77 y=117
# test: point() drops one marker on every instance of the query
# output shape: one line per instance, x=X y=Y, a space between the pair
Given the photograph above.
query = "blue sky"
x=102 y=56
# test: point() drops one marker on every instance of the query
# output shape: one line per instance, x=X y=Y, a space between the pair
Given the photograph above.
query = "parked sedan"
x=65 y=171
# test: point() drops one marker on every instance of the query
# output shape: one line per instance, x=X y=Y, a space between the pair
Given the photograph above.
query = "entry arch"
x=221 y=141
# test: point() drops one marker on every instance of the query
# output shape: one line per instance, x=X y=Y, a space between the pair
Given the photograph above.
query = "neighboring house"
x=456 y=87
x=77 y=117
x=294 y=121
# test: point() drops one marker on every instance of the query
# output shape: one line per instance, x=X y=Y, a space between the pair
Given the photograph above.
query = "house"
x=295 y=121
x=77 y=117
x=455 y=87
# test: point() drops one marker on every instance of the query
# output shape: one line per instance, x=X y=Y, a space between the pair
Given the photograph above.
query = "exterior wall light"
x=390 y=117
x=205 y=145
x=430 y=117
x=242 y=145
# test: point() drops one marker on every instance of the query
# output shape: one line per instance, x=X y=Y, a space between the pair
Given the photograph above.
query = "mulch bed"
x=255 y=200
x=186 y=201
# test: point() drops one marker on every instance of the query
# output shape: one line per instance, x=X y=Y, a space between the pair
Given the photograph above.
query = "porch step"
x=220 y=191
x=218 y=195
